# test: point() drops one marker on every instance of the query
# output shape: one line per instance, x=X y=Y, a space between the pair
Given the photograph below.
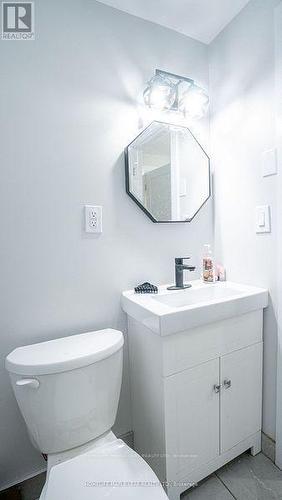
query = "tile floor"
x=246 y=478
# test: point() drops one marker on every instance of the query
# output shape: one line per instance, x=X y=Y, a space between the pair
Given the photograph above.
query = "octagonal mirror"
x=167 y=173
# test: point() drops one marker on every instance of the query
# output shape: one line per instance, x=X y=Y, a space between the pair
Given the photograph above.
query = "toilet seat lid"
x=110 y=472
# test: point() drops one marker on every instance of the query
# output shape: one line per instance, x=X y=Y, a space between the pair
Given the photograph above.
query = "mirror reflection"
x=167 y=173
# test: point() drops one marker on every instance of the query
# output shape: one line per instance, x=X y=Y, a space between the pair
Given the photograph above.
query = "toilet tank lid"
x=64 y=354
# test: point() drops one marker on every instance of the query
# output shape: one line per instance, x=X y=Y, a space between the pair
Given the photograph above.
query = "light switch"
x=261 y=218
x=263 y=222
x=269 y=163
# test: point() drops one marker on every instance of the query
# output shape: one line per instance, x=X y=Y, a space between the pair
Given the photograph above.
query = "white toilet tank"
x=68 y=389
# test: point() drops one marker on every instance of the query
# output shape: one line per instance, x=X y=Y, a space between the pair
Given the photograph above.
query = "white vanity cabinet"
x=196 y=395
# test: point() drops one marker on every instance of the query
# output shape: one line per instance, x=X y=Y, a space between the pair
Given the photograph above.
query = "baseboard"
x=20 y=480
x=31 y=485
x=268 y=447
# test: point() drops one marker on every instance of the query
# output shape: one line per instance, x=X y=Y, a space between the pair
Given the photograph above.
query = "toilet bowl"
x=68 y=391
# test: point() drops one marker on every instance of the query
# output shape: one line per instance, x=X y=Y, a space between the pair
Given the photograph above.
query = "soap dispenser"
x=208 y=265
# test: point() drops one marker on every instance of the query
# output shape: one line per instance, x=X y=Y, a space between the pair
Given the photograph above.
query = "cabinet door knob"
x=216 y=388
x=227 y=384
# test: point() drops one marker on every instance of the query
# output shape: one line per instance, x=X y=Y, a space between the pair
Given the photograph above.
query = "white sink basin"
x=173 y=311
x=192 y=296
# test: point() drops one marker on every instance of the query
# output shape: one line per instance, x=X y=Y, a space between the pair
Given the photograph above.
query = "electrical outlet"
x=93 y=219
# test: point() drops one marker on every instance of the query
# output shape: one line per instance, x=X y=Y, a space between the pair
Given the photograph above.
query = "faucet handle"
x=179 y=260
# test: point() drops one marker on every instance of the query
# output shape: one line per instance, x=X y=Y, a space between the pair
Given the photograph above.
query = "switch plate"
x=93 y=219
x=263 y=219
x=269 y=163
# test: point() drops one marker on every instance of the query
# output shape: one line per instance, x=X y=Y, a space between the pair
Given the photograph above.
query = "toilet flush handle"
x=33 y=383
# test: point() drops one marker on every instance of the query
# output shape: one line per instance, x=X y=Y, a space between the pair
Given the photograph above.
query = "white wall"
x=68 y=107
x=242 y=127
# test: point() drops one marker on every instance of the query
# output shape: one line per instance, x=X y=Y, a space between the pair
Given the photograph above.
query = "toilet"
x=68 y=392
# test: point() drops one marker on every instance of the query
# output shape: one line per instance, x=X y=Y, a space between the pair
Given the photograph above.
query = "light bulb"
x=194 y=102
x=160 y=93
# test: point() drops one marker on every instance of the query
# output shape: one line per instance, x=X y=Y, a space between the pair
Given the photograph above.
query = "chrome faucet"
x=179 y=268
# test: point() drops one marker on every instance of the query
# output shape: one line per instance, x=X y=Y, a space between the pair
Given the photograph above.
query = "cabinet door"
x=192 y=418
x=241 y=395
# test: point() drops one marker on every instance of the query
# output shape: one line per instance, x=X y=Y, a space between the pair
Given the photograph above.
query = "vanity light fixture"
x=161 y=93
x=167 y=91
x=194 y=102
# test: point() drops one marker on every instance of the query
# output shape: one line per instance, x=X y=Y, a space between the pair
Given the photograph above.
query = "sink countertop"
x=169 y=312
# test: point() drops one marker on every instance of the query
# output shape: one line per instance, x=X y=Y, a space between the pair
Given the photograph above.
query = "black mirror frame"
x=126 y=157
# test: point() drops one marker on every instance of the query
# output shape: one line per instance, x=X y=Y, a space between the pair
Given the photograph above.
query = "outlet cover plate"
x=93 y=218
